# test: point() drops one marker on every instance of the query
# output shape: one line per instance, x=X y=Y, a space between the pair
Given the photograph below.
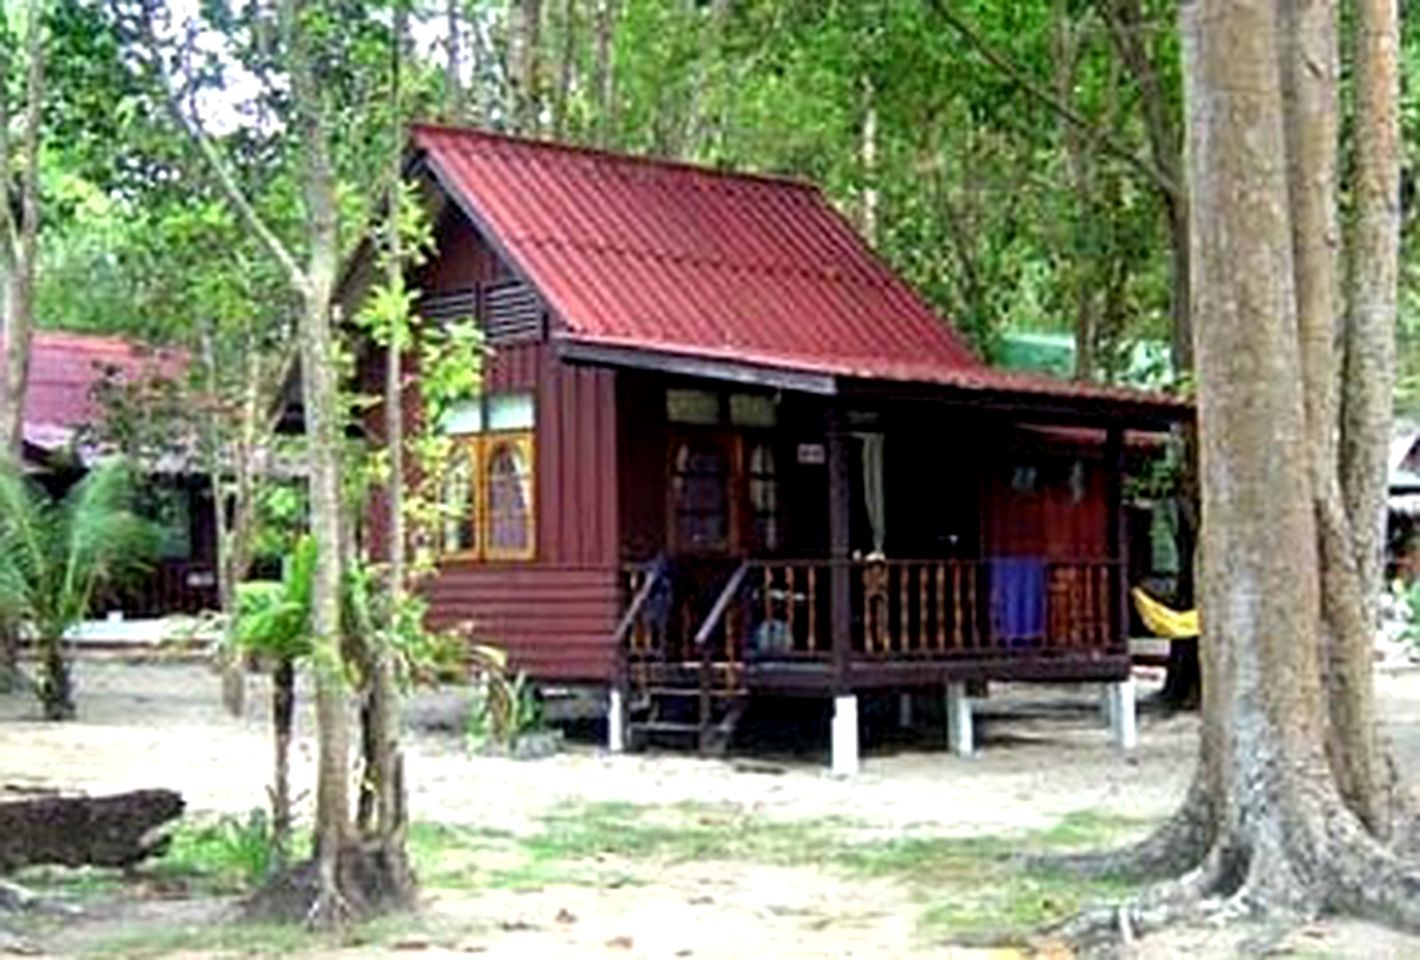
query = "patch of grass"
x=241 y=939
x=229 y=855
x=70 y=884
x=967 y=887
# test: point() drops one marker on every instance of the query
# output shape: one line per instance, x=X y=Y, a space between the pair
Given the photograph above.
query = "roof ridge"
x=636 y=159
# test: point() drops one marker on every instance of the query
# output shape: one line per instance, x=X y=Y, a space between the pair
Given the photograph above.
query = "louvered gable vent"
x=511 y=311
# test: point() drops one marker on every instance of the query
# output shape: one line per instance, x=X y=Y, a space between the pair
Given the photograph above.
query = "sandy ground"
x=1044 y=755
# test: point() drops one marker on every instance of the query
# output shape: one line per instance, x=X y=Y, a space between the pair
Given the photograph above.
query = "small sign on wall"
x=812 y=453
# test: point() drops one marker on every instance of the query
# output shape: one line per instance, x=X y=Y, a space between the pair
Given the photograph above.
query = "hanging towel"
x=1018 y=600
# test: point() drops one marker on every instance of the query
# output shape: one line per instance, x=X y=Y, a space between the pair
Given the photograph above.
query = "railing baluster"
x=923 y=635
x=813 y=607
x=792 y=575
x=957 y=606
x=867 y=612
x=974 y=624
x=904 y=575
x=941 y=606
x=766 y=592
x=1104 y=572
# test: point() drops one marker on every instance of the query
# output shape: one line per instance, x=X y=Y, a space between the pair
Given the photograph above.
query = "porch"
x=692 y=657
x=797 y=546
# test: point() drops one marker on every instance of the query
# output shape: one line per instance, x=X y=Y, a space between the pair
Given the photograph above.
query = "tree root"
x=1180 y=843
x=367 y=884
x=1329 y=866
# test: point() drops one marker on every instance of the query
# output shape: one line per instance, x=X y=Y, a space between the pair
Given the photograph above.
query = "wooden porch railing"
x=928 y=610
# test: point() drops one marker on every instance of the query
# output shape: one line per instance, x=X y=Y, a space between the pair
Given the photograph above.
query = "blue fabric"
x=1017 y=599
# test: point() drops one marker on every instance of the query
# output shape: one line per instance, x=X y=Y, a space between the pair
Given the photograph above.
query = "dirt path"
x=161 y=725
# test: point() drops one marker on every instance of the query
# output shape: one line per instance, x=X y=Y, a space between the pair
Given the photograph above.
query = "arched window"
x=509 y=477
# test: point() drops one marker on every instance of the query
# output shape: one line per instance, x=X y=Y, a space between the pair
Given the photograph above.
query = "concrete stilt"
x=844 y=762
x=616 y=721
x=1123 y=722
x=960 y=736
x=904 y=711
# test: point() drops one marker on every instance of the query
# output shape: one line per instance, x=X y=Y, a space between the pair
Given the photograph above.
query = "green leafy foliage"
x=274 y=617
x=56 y=554
x=505 y=706
x=228 y=855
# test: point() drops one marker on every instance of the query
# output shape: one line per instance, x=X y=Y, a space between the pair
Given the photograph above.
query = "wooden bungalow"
x=723 y=451
x=62 y=409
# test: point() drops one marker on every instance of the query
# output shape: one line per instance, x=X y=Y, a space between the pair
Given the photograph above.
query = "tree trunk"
x=56 y=686
x=320 y=393
x=283 y=710
x=566 y=68
x=525 y=68
x=19 y=238
x=604 y=71
x=868 y=158
x=382 y=714
x=453 y=62
x=1087 y=333
x=1368 y=384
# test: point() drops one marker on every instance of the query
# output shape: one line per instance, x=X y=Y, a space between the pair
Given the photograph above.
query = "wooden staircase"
x=683 y=702
x=687 y=703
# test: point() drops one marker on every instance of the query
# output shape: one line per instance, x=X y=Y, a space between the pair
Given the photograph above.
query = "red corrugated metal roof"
x=64 y=367
x=660 y=256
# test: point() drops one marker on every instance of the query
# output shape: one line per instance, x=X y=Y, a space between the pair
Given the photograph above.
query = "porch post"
x=843 y=761
x=960 y=735
x=616 y=719
x=1123 y=722
x=844 y=732
x=1116 y=533
x=840 y=575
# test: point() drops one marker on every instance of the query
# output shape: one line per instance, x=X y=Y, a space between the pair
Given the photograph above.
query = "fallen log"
x=72 y=831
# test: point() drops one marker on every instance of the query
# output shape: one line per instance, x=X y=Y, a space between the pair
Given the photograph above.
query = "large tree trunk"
x=1283 y=839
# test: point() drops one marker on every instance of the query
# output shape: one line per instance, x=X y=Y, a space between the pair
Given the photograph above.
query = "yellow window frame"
x=524 y=448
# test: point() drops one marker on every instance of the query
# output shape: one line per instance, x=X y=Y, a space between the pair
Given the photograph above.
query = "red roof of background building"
x=667 y=257
x=64 y=368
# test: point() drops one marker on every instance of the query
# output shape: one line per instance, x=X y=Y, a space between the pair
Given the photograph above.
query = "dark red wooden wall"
x=555 y=614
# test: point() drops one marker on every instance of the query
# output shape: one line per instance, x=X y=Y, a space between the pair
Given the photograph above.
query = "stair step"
x=664 y=726
x=716 y=693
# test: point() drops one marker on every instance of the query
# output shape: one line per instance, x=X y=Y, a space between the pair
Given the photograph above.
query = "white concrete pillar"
x=960 y=736
x=844 y=761
x=904 y=711
x=1123 y=722
x=1107 y=705
x=616 y=721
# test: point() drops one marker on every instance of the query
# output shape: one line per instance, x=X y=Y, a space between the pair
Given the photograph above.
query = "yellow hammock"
x=1165 y=621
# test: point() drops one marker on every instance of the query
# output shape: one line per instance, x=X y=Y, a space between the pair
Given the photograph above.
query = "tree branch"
x=1102 y=138
x=222 y=175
